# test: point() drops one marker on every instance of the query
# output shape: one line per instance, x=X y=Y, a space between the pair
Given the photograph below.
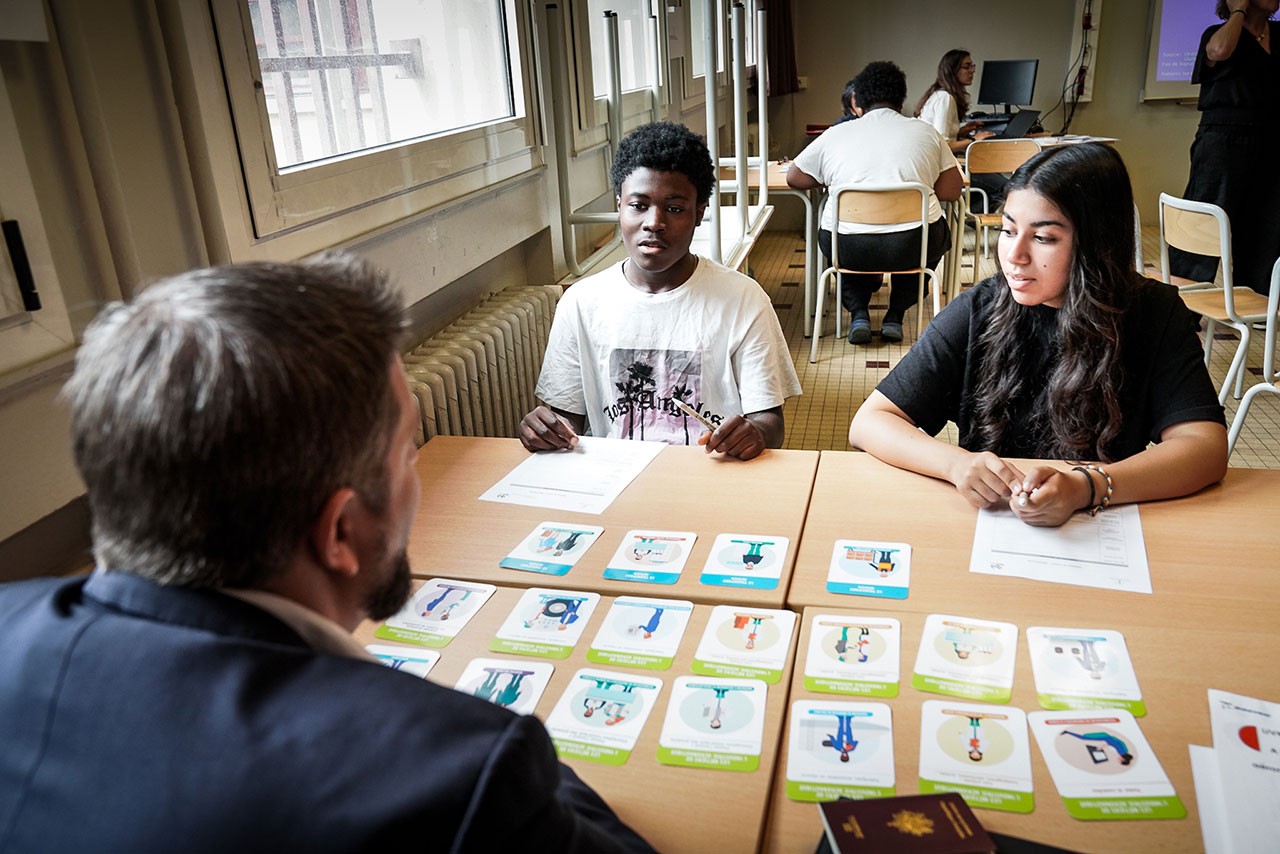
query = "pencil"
x=689 y=410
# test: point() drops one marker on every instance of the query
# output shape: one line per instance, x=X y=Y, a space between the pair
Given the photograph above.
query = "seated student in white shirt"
x=946 y=103
x=883 y=147
x=664 y=324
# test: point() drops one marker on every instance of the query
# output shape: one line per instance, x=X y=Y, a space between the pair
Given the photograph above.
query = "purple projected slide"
x=1181 y=25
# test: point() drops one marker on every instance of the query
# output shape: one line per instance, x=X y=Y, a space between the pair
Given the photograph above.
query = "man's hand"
x=543 y=430
x=984 y=479
x=737 y=437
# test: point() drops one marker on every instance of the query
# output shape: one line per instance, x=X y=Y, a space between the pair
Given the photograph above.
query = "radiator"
x=476 y=377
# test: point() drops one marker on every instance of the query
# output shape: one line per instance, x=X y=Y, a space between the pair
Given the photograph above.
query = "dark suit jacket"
x=136 y=717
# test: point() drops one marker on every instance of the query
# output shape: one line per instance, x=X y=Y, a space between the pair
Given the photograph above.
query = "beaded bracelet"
x=1106 y=499
x=1089 y=478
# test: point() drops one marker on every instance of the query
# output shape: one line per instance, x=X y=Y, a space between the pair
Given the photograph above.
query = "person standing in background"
x=1239 y=77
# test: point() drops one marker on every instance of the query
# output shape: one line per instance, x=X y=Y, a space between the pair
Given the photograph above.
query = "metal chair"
x=1269 y=377
x=991 y=157
x=1204 y=229
x=877 y=204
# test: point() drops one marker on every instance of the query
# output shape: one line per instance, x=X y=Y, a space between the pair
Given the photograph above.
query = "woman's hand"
x=1047 y=497
x=984 y=479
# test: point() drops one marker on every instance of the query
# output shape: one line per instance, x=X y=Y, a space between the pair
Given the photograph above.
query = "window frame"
x=375 y=187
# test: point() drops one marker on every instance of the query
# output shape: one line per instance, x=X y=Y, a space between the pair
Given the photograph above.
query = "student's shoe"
x=860 y=331
x=891 y=331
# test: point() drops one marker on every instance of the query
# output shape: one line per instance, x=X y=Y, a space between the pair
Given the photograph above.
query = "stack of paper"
x=1238 y=779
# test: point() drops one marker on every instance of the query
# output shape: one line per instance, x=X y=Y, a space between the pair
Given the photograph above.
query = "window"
x=341 y=76
x=635 y=44
x=371 y=110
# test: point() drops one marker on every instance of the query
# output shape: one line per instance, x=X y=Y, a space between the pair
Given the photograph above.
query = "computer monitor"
x=1008 y=81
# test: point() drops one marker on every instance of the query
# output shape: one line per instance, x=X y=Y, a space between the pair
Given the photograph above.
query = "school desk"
x=1212 y=550
x=1176 y=663
x=675 y=808
x=684 y=489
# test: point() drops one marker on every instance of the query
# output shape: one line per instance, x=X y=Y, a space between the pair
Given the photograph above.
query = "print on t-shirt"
x=645 y=382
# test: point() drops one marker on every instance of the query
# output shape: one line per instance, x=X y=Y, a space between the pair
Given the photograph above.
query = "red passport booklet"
x=911 y=824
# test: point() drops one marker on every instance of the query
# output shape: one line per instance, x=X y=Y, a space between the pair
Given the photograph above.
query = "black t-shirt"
x=1164 y=381
x=1242 y=89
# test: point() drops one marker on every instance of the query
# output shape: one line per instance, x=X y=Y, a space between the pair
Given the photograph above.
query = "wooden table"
x=1175 y=663
x=1215 y=548
x=676 y=809
x=683 y=489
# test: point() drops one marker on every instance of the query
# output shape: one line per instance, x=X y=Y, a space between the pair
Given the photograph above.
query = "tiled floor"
x=844 y=374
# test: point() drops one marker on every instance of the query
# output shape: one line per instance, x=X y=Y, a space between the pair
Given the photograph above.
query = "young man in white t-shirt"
x=664 y=325
x=882 y=147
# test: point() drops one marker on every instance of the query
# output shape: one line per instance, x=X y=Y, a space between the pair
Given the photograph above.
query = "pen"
x=689 y=410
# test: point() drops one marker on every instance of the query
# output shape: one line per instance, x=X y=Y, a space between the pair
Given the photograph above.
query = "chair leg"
x=920 y=304
x=1237 y=423
x=817 y=316
x=1209 y=326
x=1237 y=365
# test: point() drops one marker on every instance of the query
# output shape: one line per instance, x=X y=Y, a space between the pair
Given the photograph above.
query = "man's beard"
x=389 y=596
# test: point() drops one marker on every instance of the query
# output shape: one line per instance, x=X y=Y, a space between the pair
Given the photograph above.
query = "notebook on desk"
x=1019 y=124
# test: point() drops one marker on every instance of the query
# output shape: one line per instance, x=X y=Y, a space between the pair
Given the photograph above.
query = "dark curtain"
x=781 y=75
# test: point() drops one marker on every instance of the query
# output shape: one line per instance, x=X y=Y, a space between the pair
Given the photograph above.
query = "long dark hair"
x=1090 y=185
x=949 y=81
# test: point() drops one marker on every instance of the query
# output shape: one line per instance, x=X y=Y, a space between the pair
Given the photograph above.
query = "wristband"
x=1106 y=498
x=1089 y=478
x=1236 y=11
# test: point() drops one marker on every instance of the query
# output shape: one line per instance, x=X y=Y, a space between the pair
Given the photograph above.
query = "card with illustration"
x=1083 y=669
x=514 y=685
x=437 y=612
x=862 y=568
x=552 y=548
x=545 y=623
x=745 y=560
x=416 y=661
x=651 y=557
x=600 y=715
x=1103 y=766
x=853 y=655
x=966 y=658
x=745 y=642
x=639 y=632
x=839 y=749
x=982 y=752
x=714 y=723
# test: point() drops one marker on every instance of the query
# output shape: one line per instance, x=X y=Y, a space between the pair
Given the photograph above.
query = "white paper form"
x=1209 y=800
x=1106 y=550
x=1246 y=740
x=584 y=480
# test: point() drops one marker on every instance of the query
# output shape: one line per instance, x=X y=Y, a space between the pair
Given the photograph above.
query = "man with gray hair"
x=247 y=440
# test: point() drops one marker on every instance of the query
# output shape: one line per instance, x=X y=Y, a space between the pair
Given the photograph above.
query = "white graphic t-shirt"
x=620 y=355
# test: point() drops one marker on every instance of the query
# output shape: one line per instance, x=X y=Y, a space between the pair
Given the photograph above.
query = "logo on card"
x=1249 y=735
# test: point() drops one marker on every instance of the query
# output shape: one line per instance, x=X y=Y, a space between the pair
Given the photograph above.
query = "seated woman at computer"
x=945 y=103
x=1064 y=354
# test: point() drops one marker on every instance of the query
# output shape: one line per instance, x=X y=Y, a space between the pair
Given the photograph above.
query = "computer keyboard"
x=987 y=117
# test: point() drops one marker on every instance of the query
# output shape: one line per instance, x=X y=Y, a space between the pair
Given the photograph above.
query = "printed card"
x=714 y=723
x=862 y=568
x=639 y=632
x=838 y=749
x=1083 y=669
x=1103 y=766
x=416 y=661
x=552 y=548
x=982 y=752
x=853 y=655
x=651 y=557
x=1246 y=745
x=745 y=642
x=437 y=612
x=600 y=715
x=745 y=560
x=514 y=685
x=966 y=658
x=546 y=623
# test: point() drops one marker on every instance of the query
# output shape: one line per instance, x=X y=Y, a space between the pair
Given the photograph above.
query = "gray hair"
x=213 y=416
